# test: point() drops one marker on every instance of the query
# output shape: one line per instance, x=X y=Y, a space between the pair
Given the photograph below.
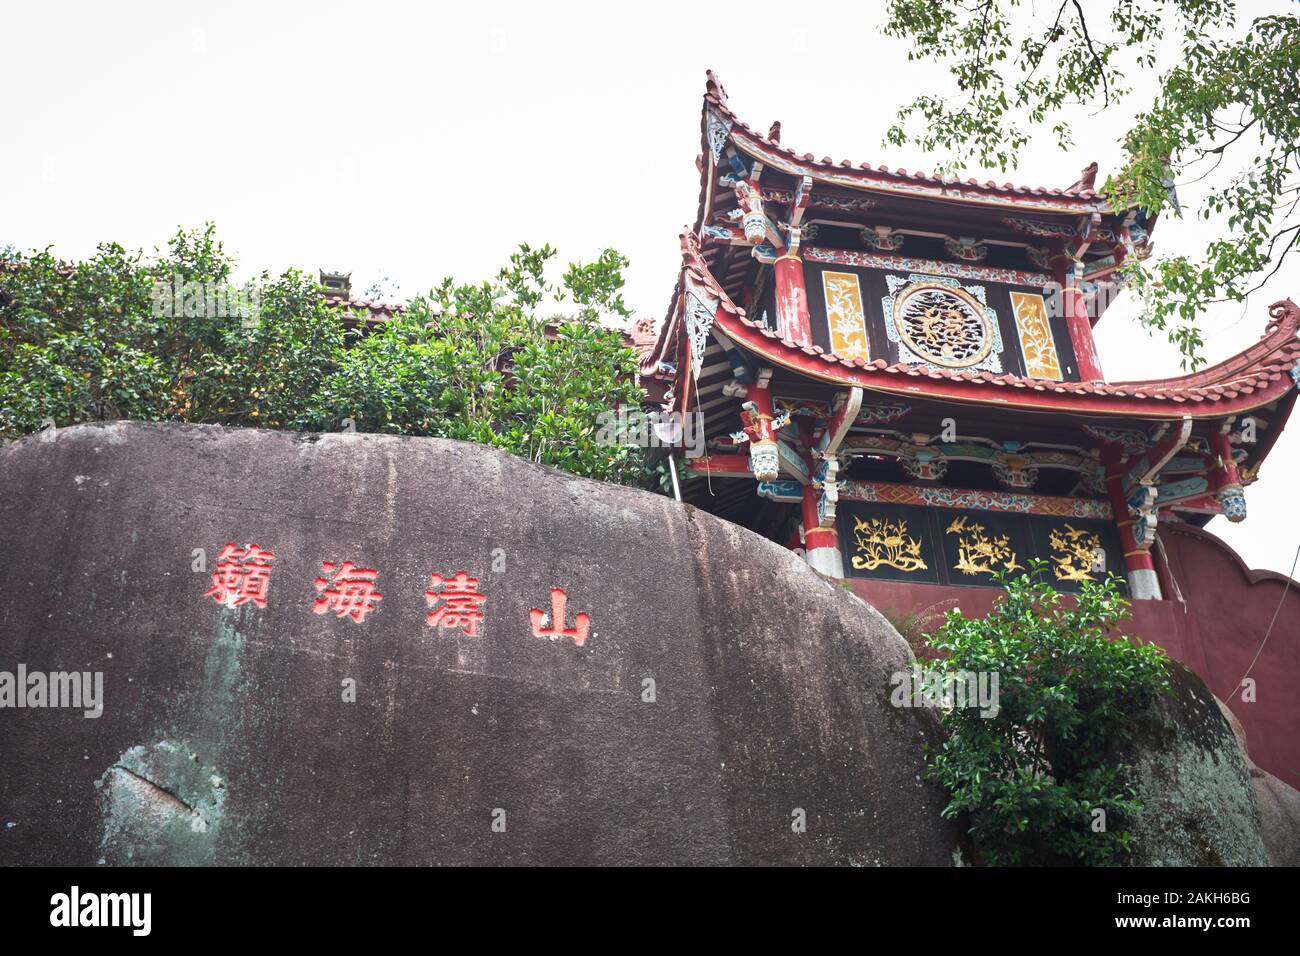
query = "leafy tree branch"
x=1225 y=93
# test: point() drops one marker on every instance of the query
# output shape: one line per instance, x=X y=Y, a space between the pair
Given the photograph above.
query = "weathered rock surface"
x=1194 y=784
x=225 y=736
x=1279 y=804
x=1279 y=816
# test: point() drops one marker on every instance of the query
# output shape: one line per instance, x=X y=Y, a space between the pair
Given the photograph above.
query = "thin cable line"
x=1285 y=588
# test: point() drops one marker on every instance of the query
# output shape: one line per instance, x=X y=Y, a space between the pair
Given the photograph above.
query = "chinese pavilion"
x=896 y=374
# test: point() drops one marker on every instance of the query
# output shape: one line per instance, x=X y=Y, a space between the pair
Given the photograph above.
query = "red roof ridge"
x=715 y=96
x=1280 y=340
x=370 y=306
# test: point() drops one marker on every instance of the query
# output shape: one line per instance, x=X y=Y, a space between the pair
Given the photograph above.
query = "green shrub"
x=1030 y=776
x=87 y=341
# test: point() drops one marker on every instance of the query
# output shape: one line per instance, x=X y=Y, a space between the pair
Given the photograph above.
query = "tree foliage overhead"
x=86 y=341
x=1227 y=110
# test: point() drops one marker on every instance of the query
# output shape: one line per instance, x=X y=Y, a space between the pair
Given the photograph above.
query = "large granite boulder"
x=1278 y=801
x=1199 y=808
x=725 y=705
x=1279 y=817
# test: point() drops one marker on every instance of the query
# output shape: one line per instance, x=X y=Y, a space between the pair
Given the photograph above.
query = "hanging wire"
x=1285 y=588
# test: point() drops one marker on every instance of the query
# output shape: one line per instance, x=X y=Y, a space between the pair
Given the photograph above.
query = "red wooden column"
x=821 y=545
x=820 y=495
x=1224 y=480
x=1143 y=583
x=792 y=299
x=1075 y=309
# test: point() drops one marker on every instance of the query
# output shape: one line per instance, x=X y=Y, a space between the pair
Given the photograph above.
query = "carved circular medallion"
x=942 y=325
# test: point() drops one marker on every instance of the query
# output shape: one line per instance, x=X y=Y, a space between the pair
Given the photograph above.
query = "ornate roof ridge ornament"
x=717 y=130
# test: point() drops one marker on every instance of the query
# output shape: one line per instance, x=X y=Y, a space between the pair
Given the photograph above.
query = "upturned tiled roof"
x=1256 y=368
x=377 y=311
x=716 y=97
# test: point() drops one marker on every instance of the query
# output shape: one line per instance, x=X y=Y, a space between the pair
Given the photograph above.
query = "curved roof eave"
x=880 y=179
x=1245 y=382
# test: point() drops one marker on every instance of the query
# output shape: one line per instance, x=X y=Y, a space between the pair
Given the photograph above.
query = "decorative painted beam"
x=881 y=414
x=803 y=407
x=1084 y=236
x=882 y=238
x=726 y=232
x=1037 y=228
x=1002 y=501
x=719 y=466
x=1015 y=469
x=966 y=248
x=793 y=463
x=1131 y=440
x=799 y=204
x=1173 y=492
x=1202 y=504
x=786 y=492
x=848 y=404
x=1101 y=268
x=1184 y=465
x=864 y=259
x=1143 y=468
x=823 y=200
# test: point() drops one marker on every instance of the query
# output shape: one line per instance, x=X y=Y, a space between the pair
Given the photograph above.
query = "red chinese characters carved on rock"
x=457 y=605
x=556 y=628
x=349 y=592
x=242 y=576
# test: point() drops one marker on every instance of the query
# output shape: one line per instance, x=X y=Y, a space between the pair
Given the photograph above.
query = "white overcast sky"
x=411 y=142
